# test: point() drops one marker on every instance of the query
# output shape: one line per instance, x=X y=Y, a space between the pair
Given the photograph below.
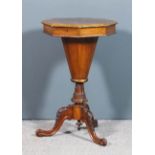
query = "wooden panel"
x=77 y=32
x=79 y=53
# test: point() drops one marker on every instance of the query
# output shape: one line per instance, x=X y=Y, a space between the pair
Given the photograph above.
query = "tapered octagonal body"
x=79 y=53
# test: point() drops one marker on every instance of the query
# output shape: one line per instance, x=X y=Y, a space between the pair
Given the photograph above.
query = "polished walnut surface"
x=79 y=37
x=79 y=22
x=79 y=27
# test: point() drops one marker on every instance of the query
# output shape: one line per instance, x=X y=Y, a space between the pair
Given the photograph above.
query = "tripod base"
x=79 y=112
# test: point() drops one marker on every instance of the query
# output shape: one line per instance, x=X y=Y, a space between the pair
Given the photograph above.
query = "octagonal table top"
x=79 y=22
x=79 y=27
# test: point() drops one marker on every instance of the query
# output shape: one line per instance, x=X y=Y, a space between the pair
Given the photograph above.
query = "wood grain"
x=79 y=22
x=79 y=37
x=79 y=27
x=79 y=53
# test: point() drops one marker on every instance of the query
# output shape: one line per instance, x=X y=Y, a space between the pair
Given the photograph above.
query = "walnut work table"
x=79 y=37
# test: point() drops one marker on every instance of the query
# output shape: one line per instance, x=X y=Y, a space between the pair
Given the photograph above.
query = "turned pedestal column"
x=79 y=37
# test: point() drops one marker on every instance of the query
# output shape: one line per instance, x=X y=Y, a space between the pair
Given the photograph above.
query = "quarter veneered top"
x=79 y=27
x=79 y=22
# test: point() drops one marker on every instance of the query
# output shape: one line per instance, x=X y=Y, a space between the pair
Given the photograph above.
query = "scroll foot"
x=62 y=114
x=87 y=118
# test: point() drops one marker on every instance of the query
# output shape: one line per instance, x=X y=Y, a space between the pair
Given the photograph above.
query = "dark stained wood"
x=79 y=37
